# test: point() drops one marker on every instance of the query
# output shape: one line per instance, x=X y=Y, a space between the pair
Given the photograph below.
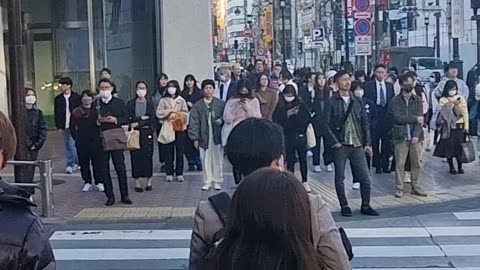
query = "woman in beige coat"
x=267 y=97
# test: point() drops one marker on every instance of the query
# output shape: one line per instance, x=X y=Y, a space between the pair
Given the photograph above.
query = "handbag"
x=167 y=134
x=133 y=139
x=112 y=139
x=468 y=151
x=311 y=139
x=178 y=123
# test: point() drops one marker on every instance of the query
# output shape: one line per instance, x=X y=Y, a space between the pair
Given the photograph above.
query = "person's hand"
x=218 y=122
x=172 y=116
x=336 y=146
x=33 y=148
x=195 y=143
x=190 y=104
x=145 y=117
x=369 y=151
x=414 y=140
x=60 y=130
x=134 y=125
x=112 y=119
x=420 y=119
x=457 y=101
x=292 y=111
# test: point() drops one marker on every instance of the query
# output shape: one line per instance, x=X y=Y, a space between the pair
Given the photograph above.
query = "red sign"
x=247 y=32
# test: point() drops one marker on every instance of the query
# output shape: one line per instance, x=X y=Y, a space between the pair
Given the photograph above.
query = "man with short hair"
x=451 y=73
x=105 y=73
x=64 y=104
x=277 y=70
x=259 y=70
x=348 y=136
x=237 y=72
x=226 y=86
x=406 y=112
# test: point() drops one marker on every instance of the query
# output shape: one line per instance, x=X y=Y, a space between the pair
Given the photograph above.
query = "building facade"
x=136 y=39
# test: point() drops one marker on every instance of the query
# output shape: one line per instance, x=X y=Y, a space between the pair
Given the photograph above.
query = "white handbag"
x=311 y=139
x=167 y=135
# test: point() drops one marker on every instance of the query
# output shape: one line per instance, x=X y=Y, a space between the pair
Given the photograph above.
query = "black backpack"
x=220 y=203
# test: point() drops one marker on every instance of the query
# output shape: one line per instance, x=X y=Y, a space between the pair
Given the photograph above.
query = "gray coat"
x=198 y=129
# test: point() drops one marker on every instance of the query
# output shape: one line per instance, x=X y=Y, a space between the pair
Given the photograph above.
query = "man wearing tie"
x=226 y=87
x=381 y=92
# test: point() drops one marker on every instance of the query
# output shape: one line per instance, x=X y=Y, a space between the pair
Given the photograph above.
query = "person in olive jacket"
x=24 y=244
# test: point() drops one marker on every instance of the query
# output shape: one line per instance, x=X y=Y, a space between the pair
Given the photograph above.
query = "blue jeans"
x=70 y=150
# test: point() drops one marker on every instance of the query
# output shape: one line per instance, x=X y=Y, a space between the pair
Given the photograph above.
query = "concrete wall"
x=186 y=44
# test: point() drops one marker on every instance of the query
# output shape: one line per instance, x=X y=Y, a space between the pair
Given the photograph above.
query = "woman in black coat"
x=191 y=93
x=293 y=115
x=36 y=130
x=141 y=115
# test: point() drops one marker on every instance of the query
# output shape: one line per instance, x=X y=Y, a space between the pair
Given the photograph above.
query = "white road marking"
x=467 y=215
x=121 y=254
x=122 y=235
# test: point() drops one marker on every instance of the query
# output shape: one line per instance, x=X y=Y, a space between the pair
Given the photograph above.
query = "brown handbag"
x=112 y=139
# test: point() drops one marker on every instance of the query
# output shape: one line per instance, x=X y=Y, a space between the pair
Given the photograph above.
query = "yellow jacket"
x=463 y=108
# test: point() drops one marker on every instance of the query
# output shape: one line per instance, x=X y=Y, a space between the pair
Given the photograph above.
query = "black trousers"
x=381 y=143
x=161 y=157
x=297 y=144
x=118 y=159
x=369 y=163
x=28 y=171
x=191 y=153
x=88 y=155
x=174 y=151
x=142 y=159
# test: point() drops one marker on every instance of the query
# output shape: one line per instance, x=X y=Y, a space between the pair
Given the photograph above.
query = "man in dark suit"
x=307 y=92
x=226 y=86
x=381 y=93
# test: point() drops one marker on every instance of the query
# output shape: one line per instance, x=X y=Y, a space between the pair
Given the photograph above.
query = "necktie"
x=383 y=100
x=222 y=86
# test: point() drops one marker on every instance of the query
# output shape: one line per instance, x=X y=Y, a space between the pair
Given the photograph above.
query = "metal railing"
x=45 y=185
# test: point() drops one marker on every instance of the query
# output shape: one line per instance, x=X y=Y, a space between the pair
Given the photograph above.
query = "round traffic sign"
x=245 y=40
x=247 y=32
x=362 y=27
x=261 y=51
x=362 y=5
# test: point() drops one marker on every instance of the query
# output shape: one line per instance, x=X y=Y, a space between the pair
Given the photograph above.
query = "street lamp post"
x=346 y=63
x=427 y=22
x=284 y=41
x=437 y=27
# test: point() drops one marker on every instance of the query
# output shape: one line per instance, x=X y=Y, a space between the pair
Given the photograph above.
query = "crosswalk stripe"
x=121 y=254
x=122 y=235
x=467 y=215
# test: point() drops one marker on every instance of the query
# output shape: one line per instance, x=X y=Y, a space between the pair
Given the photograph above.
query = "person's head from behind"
x=173 y=89
x=286 y=76
x=343 y=81
x=256 y=143
x=391 y=78
x=450 y=89
x=8 y=140
x=244 y=89
x=106 y=73
x=66 y=84
x=357 y=88
x=269 y=225
x=259 y=66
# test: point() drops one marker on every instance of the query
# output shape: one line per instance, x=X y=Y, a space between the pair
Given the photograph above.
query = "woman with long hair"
x=191 y=93
x=157 y=95
x=240 y=107
x=269 y=226
x=266 y=96
x=454 y=111
x=293 y=115
x=141 y=115
x=174 y=110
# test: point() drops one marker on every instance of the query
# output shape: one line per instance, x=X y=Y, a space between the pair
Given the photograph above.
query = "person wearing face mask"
x=85 y=131
x=406 y=115
x=174 y=109
x=157 y=96
x=112 y=113
x=192 y=94
x=360 y=76
x=451 y=73
x=293 y=115
x=453 y=131
x=141 y=115
x=226 y=87
x=36 y=130
x=240 y=107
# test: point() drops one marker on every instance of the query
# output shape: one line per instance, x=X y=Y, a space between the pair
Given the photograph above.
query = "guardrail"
x=45 y=185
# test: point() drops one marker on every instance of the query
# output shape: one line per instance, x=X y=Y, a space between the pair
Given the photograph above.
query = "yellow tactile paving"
x=183 y=212
x=89 y=213
x=112 y=213
x=159 y=212
x=140 y=212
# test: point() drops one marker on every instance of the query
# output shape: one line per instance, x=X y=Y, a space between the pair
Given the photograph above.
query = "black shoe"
x=199 y=167
x=461 y=171
x=126 y=200
x=378 y=171
x=369 y=211
x=138 y=189
x=149 y=188
x=386 y=170
x=163 y=169
x=453 y=171
x=110 y=202
x=346 y=212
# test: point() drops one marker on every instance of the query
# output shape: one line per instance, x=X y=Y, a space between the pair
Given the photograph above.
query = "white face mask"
x=141 y=93
x=362 y=79
x=452 y=93
x=359 y=93
x=289 y=99
x=432 y=80
x=105 y=94
x=223 y=78
x=172 y=90
x=30 y=100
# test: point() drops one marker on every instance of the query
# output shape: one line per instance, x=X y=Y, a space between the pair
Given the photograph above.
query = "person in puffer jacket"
x=23 y=242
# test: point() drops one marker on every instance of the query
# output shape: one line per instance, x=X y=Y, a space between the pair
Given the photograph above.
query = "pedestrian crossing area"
x=449 y=241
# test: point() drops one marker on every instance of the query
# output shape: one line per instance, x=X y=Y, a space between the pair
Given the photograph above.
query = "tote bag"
x=468 y=151
x=133 y=139
x=311 y=140
x=167 y=134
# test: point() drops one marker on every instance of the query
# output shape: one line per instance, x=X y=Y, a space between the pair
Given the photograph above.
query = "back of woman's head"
x=269 y=226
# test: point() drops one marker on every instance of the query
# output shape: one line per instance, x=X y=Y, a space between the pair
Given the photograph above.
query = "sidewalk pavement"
x=180 y=199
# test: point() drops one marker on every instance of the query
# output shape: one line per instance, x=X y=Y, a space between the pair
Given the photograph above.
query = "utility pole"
x=284 y=39
x=427 y=22
x=247 y=52
x=376 y=55
x=475 y=5
x=346 y=63
x=17 y=87
x=437 y=26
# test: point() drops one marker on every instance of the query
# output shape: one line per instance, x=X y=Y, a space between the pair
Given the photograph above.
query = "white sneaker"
x=76 y=168
x=356 y=186
x=307 y=187
x=180 y=178
x=206 y=187
x=309 y=154
x=217 y=186
x=408 y=178
x=87 y=187
x=100 y=187
x=317 y=169
x=69 y=170
x=169 y=178
x=329 y=168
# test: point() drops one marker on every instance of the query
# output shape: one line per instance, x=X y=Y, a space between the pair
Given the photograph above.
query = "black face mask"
x=408 y=89
x=244 y=95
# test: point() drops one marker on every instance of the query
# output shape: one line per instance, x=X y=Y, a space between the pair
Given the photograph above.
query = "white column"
x=3 y=73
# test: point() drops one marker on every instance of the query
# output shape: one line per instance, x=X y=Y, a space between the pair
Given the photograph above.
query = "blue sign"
x=362 y=5
x=362 y=27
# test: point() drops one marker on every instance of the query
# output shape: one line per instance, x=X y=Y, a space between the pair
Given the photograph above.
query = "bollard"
x=46 y=185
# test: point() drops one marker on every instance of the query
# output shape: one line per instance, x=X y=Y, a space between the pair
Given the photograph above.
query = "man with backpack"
x=254 y=144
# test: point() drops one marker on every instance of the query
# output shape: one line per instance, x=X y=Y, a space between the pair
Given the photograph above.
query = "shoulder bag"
x=113 y=139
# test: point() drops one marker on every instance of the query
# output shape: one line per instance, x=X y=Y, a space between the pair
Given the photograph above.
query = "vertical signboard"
x=362 y=27
x=457 y=24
